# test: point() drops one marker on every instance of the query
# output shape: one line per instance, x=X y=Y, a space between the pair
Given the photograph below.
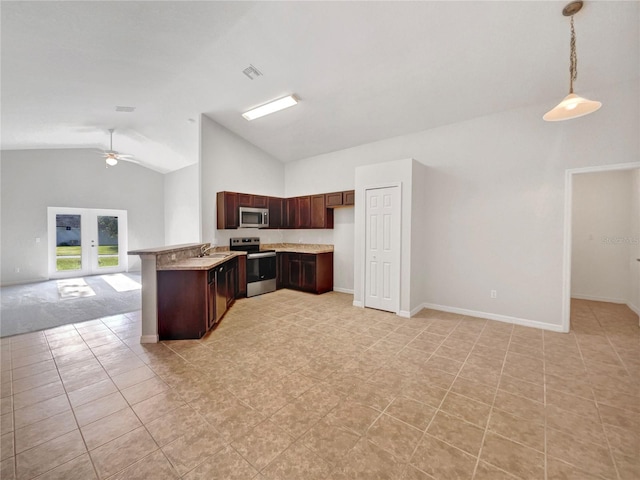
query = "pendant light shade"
x=572 y=106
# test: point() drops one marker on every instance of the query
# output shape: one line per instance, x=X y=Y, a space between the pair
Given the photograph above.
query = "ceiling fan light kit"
x=572 y=106
x=111 y=156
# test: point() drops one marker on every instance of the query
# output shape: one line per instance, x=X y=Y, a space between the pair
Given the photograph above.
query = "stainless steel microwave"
x=253 y=217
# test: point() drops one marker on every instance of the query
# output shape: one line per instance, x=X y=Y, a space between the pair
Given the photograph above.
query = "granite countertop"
x=298 y=247
x=219 y=255
x=201 y=263
x=161 y=250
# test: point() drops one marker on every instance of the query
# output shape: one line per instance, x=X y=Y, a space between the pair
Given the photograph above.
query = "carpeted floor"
x=42 y=305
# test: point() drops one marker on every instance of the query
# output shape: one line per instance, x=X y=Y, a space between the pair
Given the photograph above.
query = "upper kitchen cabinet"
x=276 y=212
x=340 y=199
x=307 y=211
x=227 y=207
x=303 y=219
x=255 y=201
x=321 y=216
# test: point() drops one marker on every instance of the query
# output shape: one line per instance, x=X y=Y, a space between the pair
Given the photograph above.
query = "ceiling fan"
x=111 y=156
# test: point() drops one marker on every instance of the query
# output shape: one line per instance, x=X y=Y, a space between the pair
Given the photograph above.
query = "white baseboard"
x=404 y=314
x=343 y=290
x=634 y=308
x=149 y=339
x=596 y=298
x=358 y=303
x=494 y=316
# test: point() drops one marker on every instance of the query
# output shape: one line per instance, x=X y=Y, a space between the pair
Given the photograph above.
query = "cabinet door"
x=292 y=213
x=282 y=266
x=304 y=212
x=227 y=210
x=307 y=272
x=349 y=197
x=260 y=201
x=321 y=216
x=211 y=303
x=232 y=281
x=334 y=199
x=292 y=278
x=242 y=277
x=276 y=212
x=245 y=200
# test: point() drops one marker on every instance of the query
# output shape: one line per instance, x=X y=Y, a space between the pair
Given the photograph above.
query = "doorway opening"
x=84 y=241
x=569 y=233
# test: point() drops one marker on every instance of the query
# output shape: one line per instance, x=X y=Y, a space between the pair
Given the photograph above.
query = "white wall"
x=182 y=205
x=634 y=246
x=601 y=234
x=230 y=163
x=33 y=180
x=494 y=199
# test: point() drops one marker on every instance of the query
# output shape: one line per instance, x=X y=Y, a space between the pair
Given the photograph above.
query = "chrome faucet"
x=204 y=250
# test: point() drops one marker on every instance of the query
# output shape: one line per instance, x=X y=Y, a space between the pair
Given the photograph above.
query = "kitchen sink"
x=218 y=255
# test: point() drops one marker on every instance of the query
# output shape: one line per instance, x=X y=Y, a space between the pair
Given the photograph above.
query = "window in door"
x=86 y=241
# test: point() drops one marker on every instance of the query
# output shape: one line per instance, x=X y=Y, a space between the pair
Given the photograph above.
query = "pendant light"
x=572 y=106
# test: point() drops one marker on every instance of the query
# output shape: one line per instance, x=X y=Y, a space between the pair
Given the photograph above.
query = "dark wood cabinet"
x=303 y=219
x=334 y=199
x=260 y=201
x=307 y=211
x=245 y=200
x=187 y=298
x=291 y=214
x=185 y=304
x=349 y=197
x=321 y=216
x=241 y=290
x=231 y=275
x=340 y=199
x=227 y=208
x=276 y=212
x=308 y=272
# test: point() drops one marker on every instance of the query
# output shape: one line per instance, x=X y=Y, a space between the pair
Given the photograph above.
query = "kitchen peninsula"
x=179 y=283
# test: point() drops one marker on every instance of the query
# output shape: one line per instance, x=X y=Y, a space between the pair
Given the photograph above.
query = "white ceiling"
x=363 y=71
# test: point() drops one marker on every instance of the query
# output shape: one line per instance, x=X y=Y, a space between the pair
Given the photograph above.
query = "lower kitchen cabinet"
x=308 y=272
x=187 y=299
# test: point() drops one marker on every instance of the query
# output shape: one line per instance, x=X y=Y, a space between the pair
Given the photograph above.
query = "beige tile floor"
x=295 y=386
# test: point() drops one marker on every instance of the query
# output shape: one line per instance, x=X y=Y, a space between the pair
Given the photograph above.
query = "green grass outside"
x=77 y=250
x=68 y=264
x=107 y=262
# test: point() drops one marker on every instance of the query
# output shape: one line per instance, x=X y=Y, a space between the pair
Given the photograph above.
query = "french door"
x=382 y=255
x=85 y=241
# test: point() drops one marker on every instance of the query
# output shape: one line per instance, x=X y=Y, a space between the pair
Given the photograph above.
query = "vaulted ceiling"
x=363 y=71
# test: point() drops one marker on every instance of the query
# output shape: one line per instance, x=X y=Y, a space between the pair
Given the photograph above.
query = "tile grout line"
x=495 y=395
x=602 y=424
x=438 y=409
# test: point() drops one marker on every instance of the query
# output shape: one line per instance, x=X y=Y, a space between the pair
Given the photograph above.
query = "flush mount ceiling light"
x=572 y=106
x=271 y=107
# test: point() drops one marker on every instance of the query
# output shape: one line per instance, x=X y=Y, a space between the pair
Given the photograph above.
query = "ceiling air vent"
x=252 y=72
x=120 y=108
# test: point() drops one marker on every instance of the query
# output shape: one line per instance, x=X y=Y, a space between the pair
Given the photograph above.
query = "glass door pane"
x=108 y=255
x=68 y=243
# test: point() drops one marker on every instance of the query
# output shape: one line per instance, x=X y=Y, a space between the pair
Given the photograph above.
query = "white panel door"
x=382 y=256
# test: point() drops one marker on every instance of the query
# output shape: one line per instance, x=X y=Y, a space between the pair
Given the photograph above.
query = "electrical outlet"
x=173 y=256
x=37 y=239
x=17 y=269
x=494 y=294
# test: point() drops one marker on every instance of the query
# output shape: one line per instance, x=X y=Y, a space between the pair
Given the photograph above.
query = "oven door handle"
x=260 y=255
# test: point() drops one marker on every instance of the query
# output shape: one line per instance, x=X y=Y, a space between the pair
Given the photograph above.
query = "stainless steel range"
x=261 y=265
